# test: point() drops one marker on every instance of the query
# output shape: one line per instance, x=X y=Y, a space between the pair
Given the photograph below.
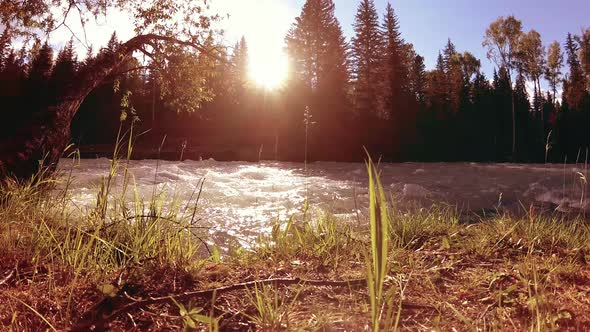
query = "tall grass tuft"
x=272 y=308
x=377 y=264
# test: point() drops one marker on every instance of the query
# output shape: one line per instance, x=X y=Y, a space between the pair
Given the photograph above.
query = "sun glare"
x=267 y=69
x=264 y=23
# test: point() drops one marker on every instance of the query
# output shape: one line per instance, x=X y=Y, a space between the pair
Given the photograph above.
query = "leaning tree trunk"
x=41 y=142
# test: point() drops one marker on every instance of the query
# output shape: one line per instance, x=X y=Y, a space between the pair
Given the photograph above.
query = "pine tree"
x=435 y=115
x=315 y=40
x=453 y=83
x=239 y=71
x=41 y=65
x=318 y=50
x=584 y=41
x=521 y=94
x=417 y=79
x=528 y=136
x=367 y=49
x=575 y=87
x=64 y=71
x=396 y=74
x=449 y=52
x=88 y=58
x=12 y=74
x=483 y=118
x=437 y=88
x=113 y=43
x=240 y=59
x=467 y=72
x=505 y=121
x=37 y=83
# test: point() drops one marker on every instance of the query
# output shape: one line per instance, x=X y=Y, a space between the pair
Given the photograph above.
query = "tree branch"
x=133 y=69
x=146 y=52
x=137 y=42
x=63 y=22
x=7 y=278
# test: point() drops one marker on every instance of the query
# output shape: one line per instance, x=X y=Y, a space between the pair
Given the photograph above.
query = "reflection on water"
x=239 y=200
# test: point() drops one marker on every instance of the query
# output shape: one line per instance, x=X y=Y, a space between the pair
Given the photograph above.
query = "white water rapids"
x=240 y=200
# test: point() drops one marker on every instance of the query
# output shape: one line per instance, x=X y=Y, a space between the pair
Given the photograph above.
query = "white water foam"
x=241 y=199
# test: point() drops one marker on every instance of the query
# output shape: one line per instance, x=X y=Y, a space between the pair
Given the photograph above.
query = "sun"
x=264 y=24
x=268 y=69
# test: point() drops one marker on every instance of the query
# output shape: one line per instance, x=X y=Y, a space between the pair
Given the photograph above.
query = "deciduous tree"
x=554 y=65
x=164 y=28
x=531 y=58
x=501 y=39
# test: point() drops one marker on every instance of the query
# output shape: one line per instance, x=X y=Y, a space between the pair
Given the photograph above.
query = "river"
x=239 y=199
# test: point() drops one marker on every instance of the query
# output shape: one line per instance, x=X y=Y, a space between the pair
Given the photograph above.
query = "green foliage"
x=183 y=82
x=191 y=316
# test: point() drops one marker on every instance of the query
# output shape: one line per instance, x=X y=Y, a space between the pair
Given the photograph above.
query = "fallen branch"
x=5 y=280
x=104 y=318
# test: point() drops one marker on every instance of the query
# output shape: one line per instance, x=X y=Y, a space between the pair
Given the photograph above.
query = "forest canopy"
x=372 y=90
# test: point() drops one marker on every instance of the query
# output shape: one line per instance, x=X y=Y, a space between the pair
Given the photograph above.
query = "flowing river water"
x=240 y=200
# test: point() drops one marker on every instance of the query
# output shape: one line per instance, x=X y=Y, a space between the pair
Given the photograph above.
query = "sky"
x=425 y=23
x=429 y=23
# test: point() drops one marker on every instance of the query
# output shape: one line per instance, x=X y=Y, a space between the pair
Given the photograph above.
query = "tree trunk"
x=513 y=127
x=41 y=142
x=541 y=110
